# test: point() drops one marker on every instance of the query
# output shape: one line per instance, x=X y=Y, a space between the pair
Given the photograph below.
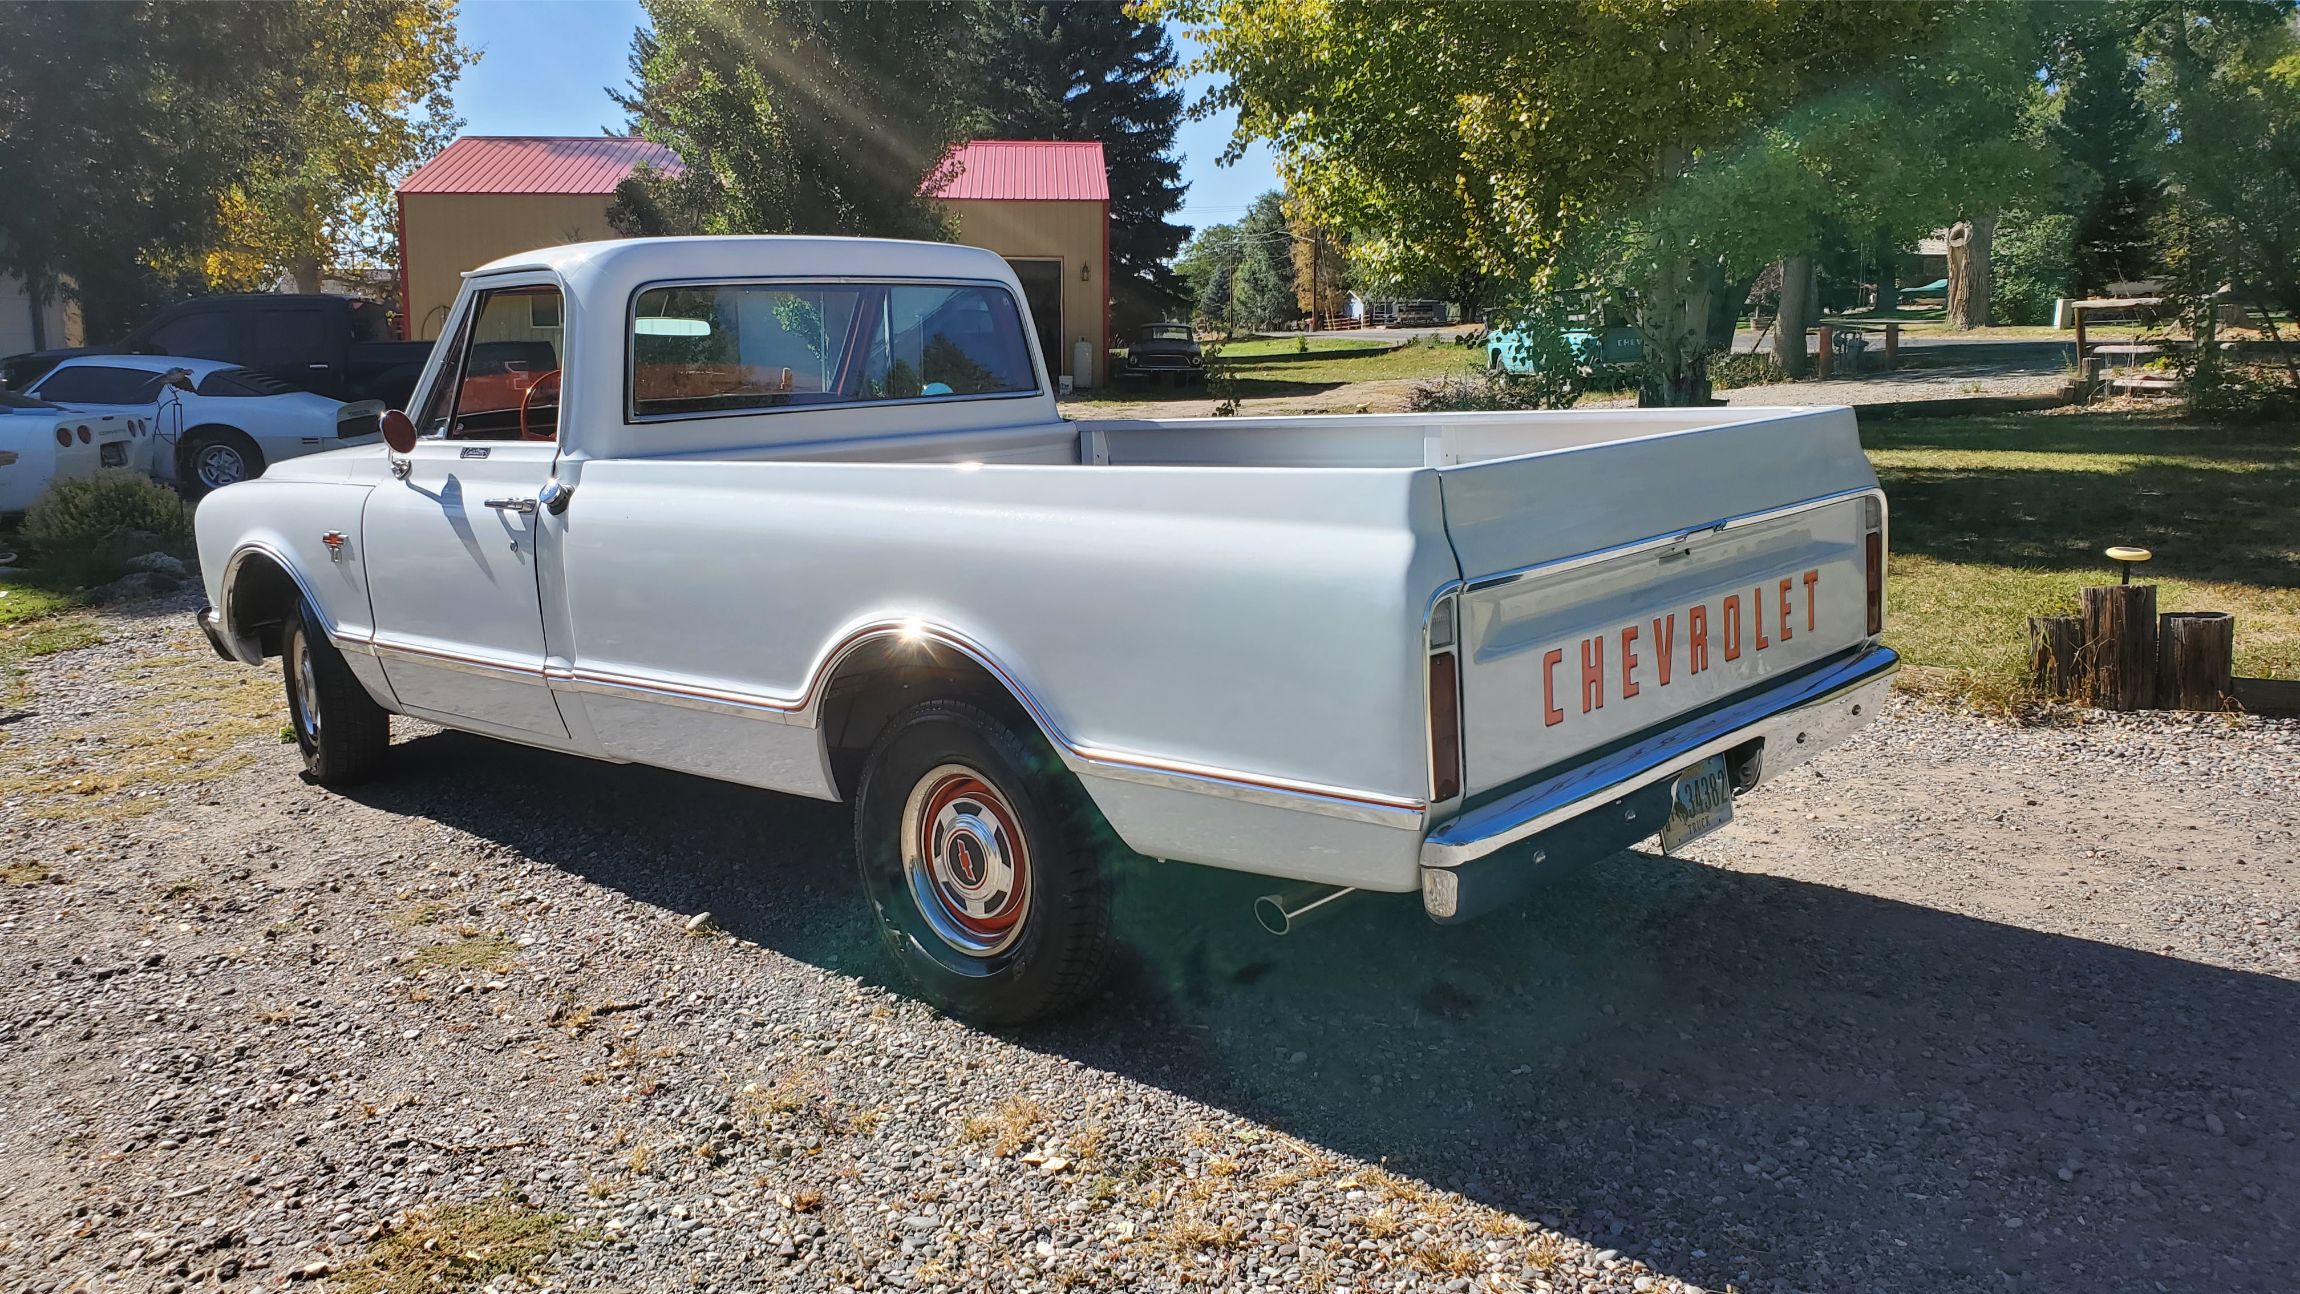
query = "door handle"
x=524 y=507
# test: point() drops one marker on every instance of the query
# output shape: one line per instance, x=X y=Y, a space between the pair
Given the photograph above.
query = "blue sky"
x=546 y=66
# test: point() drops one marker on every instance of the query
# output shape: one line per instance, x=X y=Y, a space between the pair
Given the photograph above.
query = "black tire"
x=202 y=458
x=344 y=735
x=989 y=805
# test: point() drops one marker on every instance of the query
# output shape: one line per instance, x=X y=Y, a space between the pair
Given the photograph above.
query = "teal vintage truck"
x=1596 y=340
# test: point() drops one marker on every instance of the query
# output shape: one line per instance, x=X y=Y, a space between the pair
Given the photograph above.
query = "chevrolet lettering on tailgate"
x=1637 y=656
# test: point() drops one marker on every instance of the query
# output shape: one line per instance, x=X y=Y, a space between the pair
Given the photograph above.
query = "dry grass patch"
x=416 y=914
x=472 y=953
x=458 y=1247
x=1441 y=1259
x=1008 y=1129
x=25 y=873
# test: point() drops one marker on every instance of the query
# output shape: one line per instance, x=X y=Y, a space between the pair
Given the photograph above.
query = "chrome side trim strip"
x=462 y=662
x=1670 y=540
x=1401 y=812
x=1797 y=720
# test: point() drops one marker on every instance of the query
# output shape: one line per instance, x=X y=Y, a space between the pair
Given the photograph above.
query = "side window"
x=99 y=384
x=751 y=346
x=506 y=384
x=199 y=335
x=276 y=338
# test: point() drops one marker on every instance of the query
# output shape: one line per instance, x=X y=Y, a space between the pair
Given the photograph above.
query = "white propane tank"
x=1082 y=364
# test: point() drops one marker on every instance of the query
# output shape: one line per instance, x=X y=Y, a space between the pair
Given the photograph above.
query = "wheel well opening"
x=883 y=678
x=262 y=597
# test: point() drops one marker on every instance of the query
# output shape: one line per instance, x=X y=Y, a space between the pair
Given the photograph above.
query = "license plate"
x=114 y=454
x=1700 y=801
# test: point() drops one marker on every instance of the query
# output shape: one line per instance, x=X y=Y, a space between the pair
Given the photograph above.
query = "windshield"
x=1168 y=332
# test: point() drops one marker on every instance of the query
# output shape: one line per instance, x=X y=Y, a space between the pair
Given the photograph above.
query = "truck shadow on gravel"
x=1737 y=1078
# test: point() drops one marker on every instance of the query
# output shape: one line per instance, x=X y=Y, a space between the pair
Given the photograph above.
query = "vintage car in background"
x=804 y=516
x=337 y=346
x=1515 y=349
x=41 y=444
x=218 y=423
x=1165 y=350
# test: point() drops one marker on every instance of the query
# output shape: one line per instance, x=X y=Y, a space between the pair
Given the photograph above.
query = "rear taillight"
x=1444 y=704
x=64 y=436
x=85 y=434
x=1875 y=565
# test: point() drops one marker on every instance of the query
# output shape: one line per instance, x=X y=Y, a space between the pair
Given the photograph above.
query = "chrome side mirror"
x=398 y=431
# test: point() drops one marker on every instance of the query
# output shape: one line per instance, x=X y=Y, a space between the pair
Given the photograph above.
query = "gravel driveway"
x=1962 y=1007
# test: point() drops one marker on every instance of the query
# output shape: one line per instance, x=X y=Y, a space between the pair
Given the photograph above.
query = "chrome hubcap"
x=965 y=861
x=221 y=465
x=306 y=690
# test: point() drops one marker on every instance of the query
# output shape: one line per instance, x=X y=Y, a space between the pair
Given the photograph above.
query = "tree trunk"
x=1673 y=318
x=1796 y=316
x=305 y=271
x=1970 y=280
x=2120 y=645
x=1888 y=274
x=2196 y=660
x=37 y=294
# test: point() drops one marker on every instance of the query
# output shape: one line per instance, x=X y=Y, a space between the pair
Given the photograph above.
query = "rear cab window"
x=748 y=347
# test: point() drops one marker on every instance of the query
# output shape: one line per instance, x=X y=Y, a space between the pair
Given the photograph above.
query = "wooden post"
x=2120 y=645
x=2195 y=660
x=2076 y=312
x=1892 y=345
x=1825 y=354
x=2055 y=649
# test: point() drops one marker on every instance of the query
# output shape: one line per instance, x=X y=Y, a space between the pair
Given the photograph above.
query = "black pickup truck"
x=340 y=347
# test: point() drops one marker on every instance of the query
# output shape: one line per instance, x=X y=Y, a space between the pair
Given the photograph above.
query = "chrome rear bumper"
x=1795 y=721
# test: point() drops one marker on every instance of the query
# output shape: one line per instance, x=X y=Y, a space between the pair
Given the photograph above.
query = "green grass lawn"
x=1267 y=367
x=1996 y=519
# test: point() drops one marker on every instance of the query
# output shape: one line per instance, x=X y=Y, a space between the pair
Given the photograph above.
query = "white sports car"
x=41 y=444
x=217 y=423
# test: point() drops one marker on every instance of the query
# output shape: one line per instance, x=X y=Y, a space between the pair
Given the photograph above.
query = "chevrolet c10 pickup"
x=802 y=514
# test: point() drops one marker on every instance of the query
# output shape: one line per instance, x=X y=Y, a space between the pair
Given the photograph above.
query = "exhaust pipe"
x=1279 y=913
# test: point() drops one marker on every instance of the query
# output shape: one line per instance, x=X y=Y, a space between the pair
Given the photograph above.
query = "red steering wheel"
x=527 y=399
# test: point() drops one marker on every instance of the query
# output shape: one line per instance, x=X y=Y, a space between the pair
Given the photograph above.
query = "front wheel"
x=982 y=863
x=342 y=732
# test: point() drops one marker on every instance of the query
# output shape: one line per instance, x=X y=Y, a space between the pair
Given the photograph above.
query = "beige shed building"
x=1043 y=205
x=488 y=196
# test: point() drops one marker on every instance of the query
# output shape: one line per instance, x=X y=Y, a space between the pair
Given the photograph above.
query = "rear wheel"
x=214 y=457
x=342 y=732
x=982 y=863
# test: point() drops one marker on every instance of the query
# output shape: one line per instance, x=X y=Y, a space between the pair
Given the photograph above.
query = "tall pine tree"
x=1054 y=70
x=2103 y=128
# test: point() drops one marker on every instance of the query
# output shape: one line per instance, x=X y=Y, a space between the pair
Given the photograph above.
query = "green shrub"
x=2035 y=265
x=85 y=529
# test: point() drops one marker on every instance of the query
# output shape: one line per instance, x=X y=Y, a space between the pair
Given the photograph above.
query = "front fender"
x=262 y=525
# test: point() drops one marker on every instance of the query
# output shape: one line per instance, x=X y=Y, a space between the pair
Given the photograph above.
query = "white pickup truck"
x=801 y=514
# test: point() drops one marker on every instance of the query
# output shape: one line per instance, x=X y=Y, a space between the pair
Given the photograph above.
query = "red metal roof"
x=536 y=164
x=1027 y=170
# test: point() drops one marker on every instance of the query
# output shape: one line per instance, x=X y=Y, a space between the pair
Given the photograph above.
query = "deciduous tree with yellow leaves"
x=363 y=96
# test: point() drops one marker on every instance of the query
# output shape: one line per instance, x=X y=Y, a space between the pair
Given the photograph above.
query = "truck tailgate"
x=1609 y=588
